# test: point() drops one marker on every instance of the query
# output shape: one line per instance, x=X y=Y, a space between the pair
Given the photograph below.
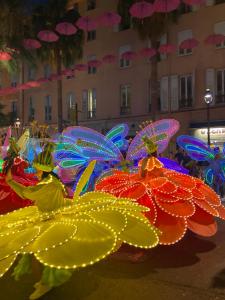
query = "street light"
x=208 y=97
x=17 y=124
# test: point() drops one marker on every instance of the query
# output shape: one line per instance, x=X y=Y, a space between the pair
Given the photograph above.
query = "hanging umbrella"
x=215 y=39
x=167 y=49
x=31 y=44
x=86 y=23
x=33 y=83
x=194 y=2
x=165 y=6
x=95 y=63
x=148 y=52
x=22 y=87
x=81 y=67
x=109 y=19
x=55 y=77
x=5 y=56
x=68 y=72
x=48 y=36
x=43 y=80
x=141 y=10
x=129 y=55
x=66 y=28
x=109 y=59
x=189 y=44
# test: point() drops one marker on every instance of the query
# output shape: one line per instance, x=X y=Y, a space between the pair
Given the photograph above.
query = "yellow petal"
x=57 y=234
x=139 y=233
x=15 y=242
x=84 y=179
x=93 y=242
x=96 y=196
x=115 y=219
x=6 y=263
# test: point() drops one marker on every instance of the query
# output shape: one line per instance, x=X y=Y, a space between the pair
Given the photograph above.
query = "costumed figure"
x=9 y=200
x=214 y=173
x=177 y=202
x=80 y=145
x=65 y=234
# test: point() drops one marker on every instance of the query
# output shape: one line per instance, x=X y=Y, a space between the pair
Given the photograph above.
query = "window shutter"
x=174 y=93
x=163 y=41
x=84 y=103
x=219 y=28
x=211 y=81
x=164 y=94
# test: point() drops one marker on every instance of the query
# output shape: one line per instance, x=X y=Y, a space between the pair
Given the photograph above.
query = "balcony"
x=220 y=99
x=125 y=110
x=185 y=103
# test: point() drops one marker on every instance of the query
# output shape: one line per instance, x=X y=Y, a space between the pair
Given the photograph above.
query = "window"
x=47 y=71
x=30 y=73
x=124 y=63
x=91 y=4
x=92 y=70
x=219 y=28
x=182 y=36
x=91 y=35
x=14 y=80
x=48 y=108
x=84 y=103
x=220 y=86
x=185 y=91
x=71 y=106
x=219 y=1
x=91 y=103
x=14 y=111
x=125 y=99
x=184 y=8
x=31 y=111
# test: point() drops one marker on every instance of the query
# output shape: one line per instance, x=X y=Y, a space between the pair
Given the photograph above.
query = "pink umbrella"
x=194 y=2
x=66 y=28
x=109 y=59
x=31 y=44
x=109 y=19
x=189 y=44
x=141 y=10
x=167 y=49
x=43 y=80
x=81 y=67
x=68 y=72
x=86 y=23
x=215 y=39
x=5 y=56
x=48 y=36
x=33 y=84
x=148 y=52
x=23 y=86
x=55 y=77
x=129 y=55
x=95 y=63
x=164 y=6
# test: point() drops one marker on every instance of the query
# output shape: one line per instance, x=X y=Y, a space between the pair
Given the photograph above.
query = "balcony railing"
x=220 y=99
x=185 y=103
x=125 y=110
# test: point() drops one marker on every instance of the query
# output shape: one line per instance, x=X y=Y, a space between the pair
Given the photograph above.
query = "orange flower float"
x=177 y=202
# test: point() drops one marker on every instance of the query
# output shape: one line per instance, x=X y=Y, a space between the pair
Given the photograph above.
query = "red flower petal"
x=172 y=228
x=182 y=209
x=147 y=201
x=202 y=223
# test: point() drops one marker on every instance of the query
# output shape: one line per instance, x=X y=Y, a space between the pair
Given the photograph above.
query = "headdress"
x=44 y=161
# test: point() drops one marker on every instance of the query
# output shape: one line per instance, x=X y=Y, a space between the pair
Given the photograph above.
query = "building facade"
x=120 y=91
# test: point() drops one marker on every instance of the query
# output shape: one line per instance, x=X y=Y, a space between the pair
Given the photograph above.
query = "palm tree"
x=66 y=50
x=151 y=28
